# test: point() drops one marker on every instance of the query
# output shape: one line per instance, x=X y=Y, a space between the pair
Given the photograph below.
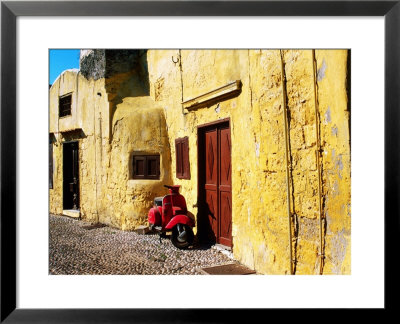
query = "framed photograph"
x=366 y=34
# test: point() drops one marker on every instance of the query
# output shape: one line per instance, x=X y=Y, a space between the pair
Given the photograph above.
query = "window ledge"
x=229 y=90
x=72 y=213
x=143 y=182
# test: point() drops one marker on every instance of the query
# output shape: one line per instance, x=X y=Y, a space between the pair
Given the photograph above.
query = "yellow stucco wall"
x=89 y=102
x=151 y=123
x=108 y=194
x=138 y=128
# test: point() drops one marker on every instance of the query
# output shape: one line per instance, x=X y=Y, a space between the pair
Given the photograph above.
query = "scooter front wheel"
x=182 y=236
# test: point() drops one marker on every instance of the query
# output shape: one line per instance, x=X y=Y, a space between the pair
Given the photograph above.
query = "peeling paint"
x=338 y=251
x=328 y=115
x=257 y=149
x=321 y=71
x=339 y=163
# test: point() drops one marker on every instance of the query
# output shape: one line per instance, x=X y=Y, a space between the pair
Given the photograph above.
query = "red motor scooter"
x=170 y=214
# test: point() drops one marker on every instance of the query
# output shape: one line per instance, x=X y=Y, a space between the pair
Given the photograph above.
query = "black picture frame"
x=10 y=10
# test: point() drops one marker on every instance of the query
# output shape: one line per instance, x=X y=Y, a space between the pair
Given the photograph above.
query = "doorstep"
x=227 y=251
x=75 y=213
x=227 y=269
x=142 y=229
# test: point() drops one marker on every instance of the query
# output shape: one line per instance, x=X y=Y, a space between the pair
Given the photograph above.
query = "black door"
x=70 y=176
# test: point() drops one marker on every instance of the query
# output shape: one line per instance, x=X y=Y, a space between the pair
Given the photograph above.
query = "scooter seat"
x=158 y=201
x=178 y=211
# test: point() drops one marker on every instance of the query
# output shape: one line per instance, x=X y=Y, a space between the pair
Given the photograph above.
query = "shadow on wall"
x=125 y=71
x=126 y=75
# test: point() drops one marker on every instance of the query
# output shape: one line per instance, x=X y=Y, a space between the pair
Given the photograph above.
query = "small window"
x=182 y=158
x=146 y=167
x=64 y=105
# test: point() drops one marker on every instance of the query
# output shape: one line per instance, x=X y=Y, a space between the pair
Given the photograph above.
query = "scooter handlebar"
x=174 y=189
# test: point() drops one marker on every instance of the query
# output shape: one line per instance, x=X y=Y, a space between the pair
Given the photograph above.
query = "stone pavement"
x=75 y=247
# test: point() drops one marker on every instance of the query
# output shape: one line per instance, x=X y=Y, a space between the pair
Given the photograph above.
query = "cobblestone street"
x=74 y=249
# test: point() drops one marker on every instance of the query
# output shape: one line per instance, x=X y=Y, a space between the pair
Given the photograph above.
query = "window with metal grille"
x=64 y=105
x=182 y=158
x=146 y=167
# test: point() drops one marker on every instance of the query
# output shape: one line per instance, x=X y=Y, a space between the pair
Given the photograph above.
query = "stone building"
x=259 y=141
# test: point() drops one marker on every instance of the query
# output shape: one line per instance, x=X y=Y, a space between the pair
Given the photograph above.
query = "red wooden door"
x=217 y=182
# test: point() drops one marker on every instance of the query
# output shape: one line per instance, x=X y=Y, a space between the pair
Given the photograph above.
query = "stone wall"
x=259 y=186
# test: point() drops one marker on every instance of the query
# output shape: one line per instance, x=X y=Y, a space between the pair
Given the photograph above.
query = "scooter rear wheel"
x=182 y=236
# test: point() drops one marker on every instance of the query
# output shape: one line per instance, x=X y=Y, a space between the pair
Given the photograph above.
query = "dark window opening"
x=146 y=167
x=64 y=105
x=182 y=158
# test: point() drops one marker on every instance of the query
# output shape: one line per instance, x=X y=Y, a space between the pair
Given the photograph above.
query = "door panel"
x=212 y=212
x=211 y=157
x=225 y=159
x=210 y=186
x=225 y=210
x=225 y=234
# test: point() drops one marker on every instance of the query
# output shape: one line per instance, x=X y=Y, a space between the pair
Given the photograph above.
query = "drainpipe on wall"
x=95 y=152
x=179 y=59
x=318 y=154
x=285 y=119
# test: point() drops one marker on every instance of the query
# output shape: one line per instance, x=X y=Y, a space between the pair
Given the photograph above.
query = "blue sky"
x=61 y=60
